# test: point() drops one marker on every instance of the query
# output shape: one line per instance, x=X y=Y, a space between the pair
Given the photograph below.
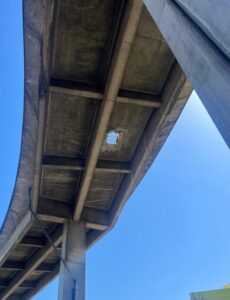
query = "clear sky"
x=173 y=235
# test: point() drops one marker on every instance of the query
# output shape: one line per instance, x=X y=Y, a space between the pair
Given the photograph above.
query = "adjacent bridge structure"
x=105 y=82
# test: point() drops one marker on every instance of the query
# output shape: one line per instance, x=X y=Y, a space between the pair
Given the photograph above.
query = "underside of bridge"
x=102 y=93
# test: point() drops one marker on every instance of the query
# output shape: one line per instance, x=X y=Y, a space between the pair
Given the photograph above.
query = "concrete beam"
x=67 y=87
x=57 y=211
x=32 y=264
x=203 y=62
x=119 y=60
x=68 y=163
x=14 y=265
x=32 y=241
x=26 y=284
x=50 y=210
x=41 y=283
x=72 y=273
x=139 y=101
x=95 y=219
x=73 y=89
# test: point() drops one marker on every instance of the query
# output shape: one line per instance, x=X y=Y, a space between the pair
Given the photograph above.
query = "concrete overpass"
x=103 y=90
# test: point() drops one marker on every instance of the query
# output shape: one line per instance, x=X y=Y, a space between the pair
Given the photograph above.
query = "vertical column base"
x=72 y=273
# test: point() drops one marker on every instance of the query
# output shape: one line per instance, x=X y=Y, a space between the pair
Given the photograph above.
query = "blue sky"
x=173 y=235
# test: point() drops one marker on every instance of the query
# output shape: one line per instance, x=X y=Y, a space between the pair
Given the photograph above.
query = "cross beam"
x=14 y=265
x=57 y=211
x=26 y=284
x=68 y=163
x=32 y=241
x=127 y=97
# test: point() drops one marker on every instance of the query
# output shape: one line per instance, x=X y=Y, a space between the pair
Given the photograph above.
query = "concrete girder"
x=115 y=75
x=68 y=163
x=14 y=265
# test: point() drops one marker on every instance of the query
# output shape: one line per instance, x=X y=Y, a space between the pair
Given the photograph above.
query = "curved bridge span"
x=103 y=90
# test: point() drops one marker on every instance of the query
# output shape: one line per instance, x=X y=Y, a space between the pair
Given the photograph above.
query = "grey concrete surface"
x=73 y=252
x=213 y=18
x=202 y=61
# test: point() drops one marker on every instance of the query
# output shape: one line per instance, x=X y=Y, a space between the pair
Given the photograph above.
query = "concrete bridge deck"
x=102 y=93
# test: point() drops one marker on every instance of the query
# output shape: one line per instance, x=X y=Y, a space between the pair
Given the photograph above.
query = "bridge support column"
x=196 y=34
x=72 y=273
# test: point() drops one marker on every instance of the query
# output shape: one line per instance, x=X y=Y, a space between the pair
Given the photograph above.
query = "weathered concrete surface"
x=148 y=71
x=204 y=64
x=33 y=33
x=73 y=252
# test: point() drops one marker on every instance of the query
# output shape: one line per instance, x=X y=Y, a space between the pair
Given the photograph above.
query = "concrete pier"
x=72 y=273
x=200 y=52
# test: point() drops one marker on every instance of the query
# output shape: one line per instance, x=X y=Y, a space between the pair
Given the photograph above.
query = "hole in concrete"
x=114 y=140
x=112 y=137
